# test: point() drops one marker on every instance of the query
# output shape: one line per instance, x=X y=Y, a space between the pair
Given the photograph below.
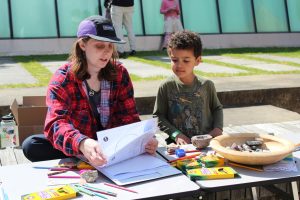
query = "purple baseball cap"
x=98 y=28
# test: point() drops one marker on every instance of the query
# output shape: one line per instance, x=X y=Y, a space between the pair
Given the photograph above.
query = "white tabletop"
x=22 y=179
x=248 y=178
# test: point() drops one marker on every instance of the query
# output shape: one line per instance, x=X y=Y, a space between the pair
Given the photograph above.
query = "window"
x=294 y=14
x=33 y=18
x=154 y=21
x=270 y=16
x=137 y=18
x=4 y=20
x=71 y=13
x=236 y=16
x=200 y=16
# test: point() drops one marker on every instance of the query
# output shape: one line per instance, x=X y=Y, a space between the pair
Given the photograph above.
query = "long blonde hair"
x=79 y=63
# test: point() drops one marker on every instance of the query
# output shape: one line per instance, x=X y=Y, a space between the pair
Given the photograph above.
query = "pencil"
x=245 y=166
x=185 y=157
x=55 y=168
x=38 y=167
x=63 y=176
x=88 y=192
x=119 y=187
x=99 y=190
x=51 y=173
x=62 y=169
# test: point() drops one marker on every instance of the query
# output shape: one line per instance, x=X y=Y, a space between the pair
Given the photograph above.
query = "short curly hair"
x=186 y=40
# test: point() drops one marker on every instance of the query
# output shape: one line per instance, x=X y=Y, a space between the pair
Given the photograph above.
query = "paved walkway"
x=277 y=58
x=12 y=73
x=261 y=65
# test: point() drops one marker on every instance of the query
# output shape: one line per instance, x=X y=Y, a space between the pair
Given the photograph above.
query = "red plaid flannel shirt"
x=70 y=119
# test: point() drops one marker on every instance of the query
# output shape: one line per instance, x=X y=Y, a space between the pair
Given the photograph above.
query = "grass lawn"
x=42 y=74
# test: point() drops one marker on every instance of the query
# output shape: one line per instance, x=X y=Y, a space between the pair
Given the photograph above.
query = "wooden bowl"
x=279 y=148
x=201 y=141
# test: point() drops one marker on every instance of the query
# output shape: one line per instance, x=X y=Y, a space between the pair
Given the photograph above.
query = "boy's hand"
x=151 y=146
x=215 y=132
x=91 y=150
x=181 y=139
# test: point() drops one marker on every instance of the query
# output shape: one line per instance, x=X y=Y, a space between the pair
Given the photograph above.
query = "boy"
x=186 y=104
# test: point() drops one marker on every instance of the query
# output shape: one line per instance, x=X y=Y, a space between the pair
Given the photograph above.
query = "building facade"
x=49 y=26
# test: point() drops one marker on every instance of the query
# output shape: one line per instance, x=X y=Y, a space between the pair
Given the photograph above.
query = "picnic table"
x=254 y=184
x=17 y=180
x=289 y=130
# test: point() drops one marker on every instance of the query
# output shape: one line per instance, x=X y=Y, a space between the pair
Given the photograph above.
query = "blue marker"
x=180 y=153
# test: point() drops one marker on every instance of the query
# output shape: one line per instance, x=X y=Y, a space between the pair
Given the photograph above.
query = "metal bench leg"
x=295 y=190
x=254 y=193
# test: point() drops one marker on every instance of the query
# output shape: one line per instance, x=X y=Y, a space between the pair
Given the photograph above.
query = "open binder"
x=124 y=148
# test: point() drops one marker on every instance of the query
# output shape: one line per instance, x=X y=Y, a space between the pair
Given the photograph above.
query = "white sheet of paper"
x=286 y=164
x=127 y=141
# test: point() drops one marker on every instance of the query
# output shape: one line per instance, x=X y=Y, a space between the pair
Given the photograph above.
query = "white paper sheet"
x=127 y=141
x=285 y=165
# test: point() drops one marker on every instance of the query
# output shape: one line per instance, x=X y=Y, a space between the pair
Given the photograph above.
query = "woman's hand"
x=151 y=146
x=181 y=139
x=91 y=150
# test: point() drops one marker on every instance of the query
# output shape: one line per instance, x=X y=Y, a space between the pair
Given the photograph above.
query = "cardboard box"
x=30 y=117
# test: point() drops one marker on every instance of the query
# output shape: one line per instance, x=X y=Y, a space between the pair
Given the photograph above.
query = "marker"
x=119 y=187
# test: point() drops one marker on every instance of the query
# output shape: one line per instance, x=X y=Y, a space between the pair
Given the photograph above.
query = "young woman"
x=92 y=92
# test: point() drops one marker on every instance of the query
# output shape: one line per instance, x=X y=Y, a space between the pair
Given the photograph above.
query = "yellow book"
x=211 y=173
x=58 y=193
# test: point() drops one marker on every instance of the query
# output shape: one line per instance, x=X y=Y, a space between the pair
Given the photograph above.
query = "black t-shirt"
x=123 y=3
x=94 y=99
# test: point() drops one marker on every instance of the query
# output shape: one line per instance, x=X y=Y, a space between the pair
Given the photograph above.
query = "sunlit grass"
x=43 y=75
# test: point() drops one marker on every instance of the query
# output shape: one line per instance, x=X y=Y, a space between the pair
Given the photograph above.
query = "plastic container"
x=8 y=136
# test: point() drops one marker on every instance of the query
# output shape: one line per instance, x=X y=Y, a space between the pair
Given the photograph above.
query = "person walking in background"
x=186 y=104
x=171 y=11
x=92 y=92
x=121 y=14
x=107 y=5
